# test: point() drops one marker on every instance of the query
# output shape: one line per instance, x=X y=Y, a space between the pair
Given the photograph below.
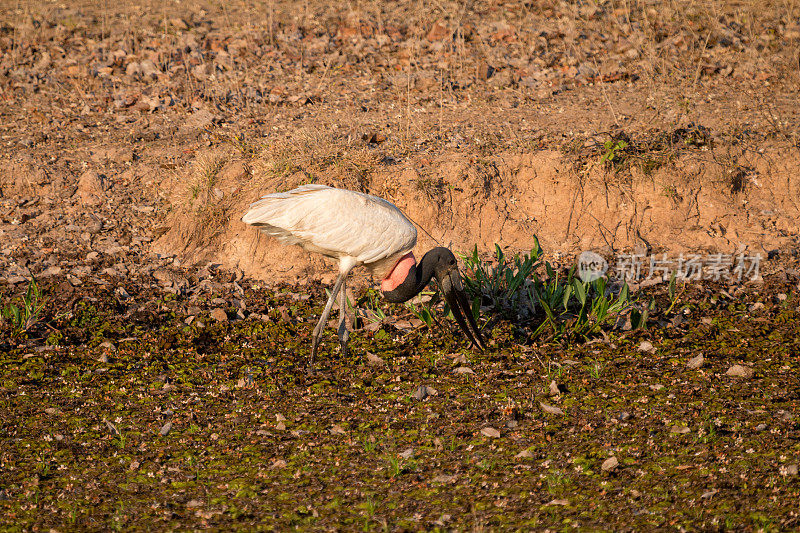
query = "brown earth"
x=487 y=123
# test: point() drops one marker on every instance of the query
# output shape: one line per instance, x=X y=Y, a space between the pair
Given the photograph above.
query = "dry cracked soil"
x=160 y=382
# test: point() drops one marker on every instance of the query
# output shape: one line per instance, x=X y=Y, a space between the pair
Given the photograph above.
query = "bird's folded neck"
x=399 y=273
x=408 y=277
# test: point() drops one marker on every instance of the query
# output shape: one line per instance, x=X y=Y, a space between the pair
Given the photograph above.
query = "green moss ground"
x=256 y=443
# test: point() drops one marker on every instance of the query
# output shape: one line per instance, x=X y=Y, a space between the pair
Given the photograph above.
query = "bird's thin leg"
x=344 y=333
x=325 y=314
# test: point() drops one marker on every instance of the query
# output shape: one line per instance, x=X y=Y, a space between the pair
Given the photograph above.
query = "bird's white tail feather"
x=269 y=212
x=272 y=206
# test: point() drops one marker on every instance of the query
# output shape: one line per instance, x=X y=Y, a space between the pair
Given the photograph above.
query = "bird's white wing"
x=334 y=222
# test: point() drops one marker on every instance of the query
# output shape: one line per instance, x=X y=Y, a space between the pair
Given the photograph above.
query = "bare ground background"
x=486 y=122
x=134 y=135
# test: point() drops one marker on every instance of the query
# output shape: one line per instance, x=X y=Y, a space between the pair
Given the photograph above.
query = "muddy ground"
x=164 y=384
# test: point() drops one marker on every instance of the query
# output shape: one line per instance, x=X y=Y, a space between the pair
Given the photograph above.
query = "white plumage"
x=360 y=229
x=353 y=227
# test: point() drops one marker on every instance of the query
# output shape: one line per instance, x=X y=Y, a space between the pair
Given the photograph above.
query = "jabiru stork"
x=360 y=229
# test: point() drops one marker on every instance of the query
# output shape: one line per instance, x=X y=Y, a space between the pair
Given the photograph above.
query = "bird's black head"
x=441 y=264
x=443 y=261
x=445 y=268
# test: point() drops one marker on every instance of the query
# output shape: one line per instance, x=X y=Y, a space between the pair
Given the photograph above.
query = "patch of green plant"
x=55 y=338
x=422 y=311
x=501 y=284
x=672 y=292
x=397 y=465
x=565 y=306
x=577 y=308
x=614 y=152
x=22 y=317
x=371 y=303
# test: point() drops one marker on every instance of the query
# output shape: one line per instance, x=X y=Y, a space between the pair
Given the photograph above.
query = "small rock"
x=423 y=391
x=165 y=429
x=149 y=69
x=485 y=71
x=708 y=494
x=219 y=315
x=739 y=371
x=679 y=430
x=438 y=32
x=179 y=24
x=374 y=360
x=524 y=454
x=51 y=411
x=54 y=270
x=133 y=69
x=587 y=71
x=90 y=188
x=460 y=359
x=550 y=409
x=463 y=370
x=407 y=453
x=677 y=320
x=337 y=430
x=610 y=464
x=695 y=362
x=194 y=503
x=490 y=432
x=647 y=347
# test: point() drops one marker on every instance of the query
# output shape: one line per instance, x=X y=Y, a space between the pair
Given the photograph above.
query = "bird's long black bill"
x=456 y=298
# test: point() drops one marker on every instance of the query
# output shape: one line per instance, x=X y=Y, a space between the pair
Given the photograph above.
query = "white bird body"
x=360 y=229
x=352 y=227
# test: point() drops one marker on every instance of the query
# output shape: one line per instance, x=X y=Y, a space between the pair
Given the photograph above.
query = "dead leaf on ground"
x=374 y=360
x=550 y=409
x=740 y=371
x=609 y=464
x=695 y=362
x=490 y=432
